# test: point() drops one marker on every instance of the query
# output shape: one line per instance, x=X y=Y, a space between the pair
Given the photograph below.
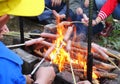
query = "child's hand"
x=79 y=11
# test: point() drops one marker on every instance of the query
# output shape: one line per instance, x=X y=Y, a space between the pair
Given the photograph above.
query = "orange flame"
x=62 y=55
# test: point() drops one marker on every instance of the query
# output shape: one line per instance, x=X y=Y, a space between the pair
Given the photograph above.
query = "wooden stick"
x=71 y=67
x=16 y=45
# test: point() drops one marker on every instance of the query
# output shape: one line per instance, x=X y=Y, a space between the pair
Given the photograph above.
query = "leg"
x=100 y=3
x=116 y=13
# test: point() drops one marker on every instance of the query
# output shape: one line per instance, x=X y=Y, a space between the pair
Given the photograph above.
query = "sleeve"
x=63 y=11
x=74 y=4
x=107 y=8
x=20 y=78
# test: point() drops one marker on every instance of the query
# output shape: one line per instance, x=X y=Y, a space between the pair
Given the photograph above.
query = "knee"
x=100 y=3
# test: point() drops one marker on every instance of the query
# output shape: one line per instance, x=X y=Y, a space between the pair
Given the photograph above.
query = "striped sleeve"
x=107 y=9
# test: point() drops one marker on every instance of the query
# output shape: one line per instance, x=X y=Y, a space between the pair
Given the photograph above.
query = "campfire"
x=59 y=45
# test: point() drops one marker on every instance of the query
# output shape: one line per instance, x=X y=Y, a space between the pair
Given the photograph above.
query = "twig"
x=113 y=64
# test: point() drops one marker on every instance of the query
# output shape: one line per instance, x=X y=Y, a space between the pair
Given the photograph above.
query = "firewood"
x=81 y=45
x=100 y=74
x=79 y=50
x=102 y=65
x=106 y=75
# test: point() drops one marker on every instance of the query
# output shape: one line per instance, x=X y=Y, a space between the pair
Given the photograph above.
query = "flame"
x=60 y=56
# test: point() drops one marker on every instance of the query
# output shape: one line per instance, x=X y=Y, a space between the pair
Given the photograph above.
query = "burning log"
x=102 y=65
x=100 y=74
x=106 y=75
x=81 y=45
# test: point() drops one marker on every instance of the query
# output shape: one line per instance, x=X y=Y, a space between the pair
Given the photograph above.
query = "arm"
x=45 y=75
x=107 y=9
x=3 y=20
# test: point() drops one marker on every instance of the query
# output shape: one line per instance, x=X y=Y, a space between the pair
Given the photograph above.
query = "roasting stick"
x=27 y=43
x=71 y=67
x=114 y=64
x=45 y=55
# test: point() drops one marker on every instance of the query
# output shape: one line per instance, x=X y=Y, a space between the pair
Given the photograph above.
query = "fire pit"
x=59 y=45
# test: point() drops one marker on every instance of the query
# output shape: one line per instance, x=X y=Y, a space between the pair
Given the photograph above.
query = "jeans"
x=47 y=14
x=116 y=12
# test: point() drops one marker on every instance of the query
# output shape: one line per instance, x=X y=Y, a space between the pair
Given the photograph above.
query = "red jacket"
x=108 y=8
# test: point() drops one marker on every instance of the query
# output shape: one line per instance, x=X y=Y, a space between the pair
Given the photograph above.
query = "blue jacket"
x=10 y=67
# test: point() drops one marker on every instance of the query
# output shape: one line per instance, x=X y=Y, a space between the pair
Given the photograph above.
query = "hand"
x=57 y=15
x=29 y=80
x=94 y=22
x=56 y=2
x=45 y=75
x=85 y=20
x=86 y=3
x=84 y=82
x=3 y=30
x=3 y=20
x=79 y=11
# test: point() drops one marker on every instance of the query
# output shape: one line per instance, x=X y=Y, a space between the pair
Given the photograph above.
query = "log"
x=100 y=74
x=102 y=65
x=81 y=45
x=106 y=75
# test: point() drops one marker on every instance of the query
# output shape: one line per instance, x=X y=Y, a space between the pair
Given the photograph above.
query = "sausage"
x=33 y=41
x=48 y=35
x=46 y=43
x=65 y=23
x=85 y=17
x=68 y=47
x=68 y=33
x=47 y=53
x=99 y=50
